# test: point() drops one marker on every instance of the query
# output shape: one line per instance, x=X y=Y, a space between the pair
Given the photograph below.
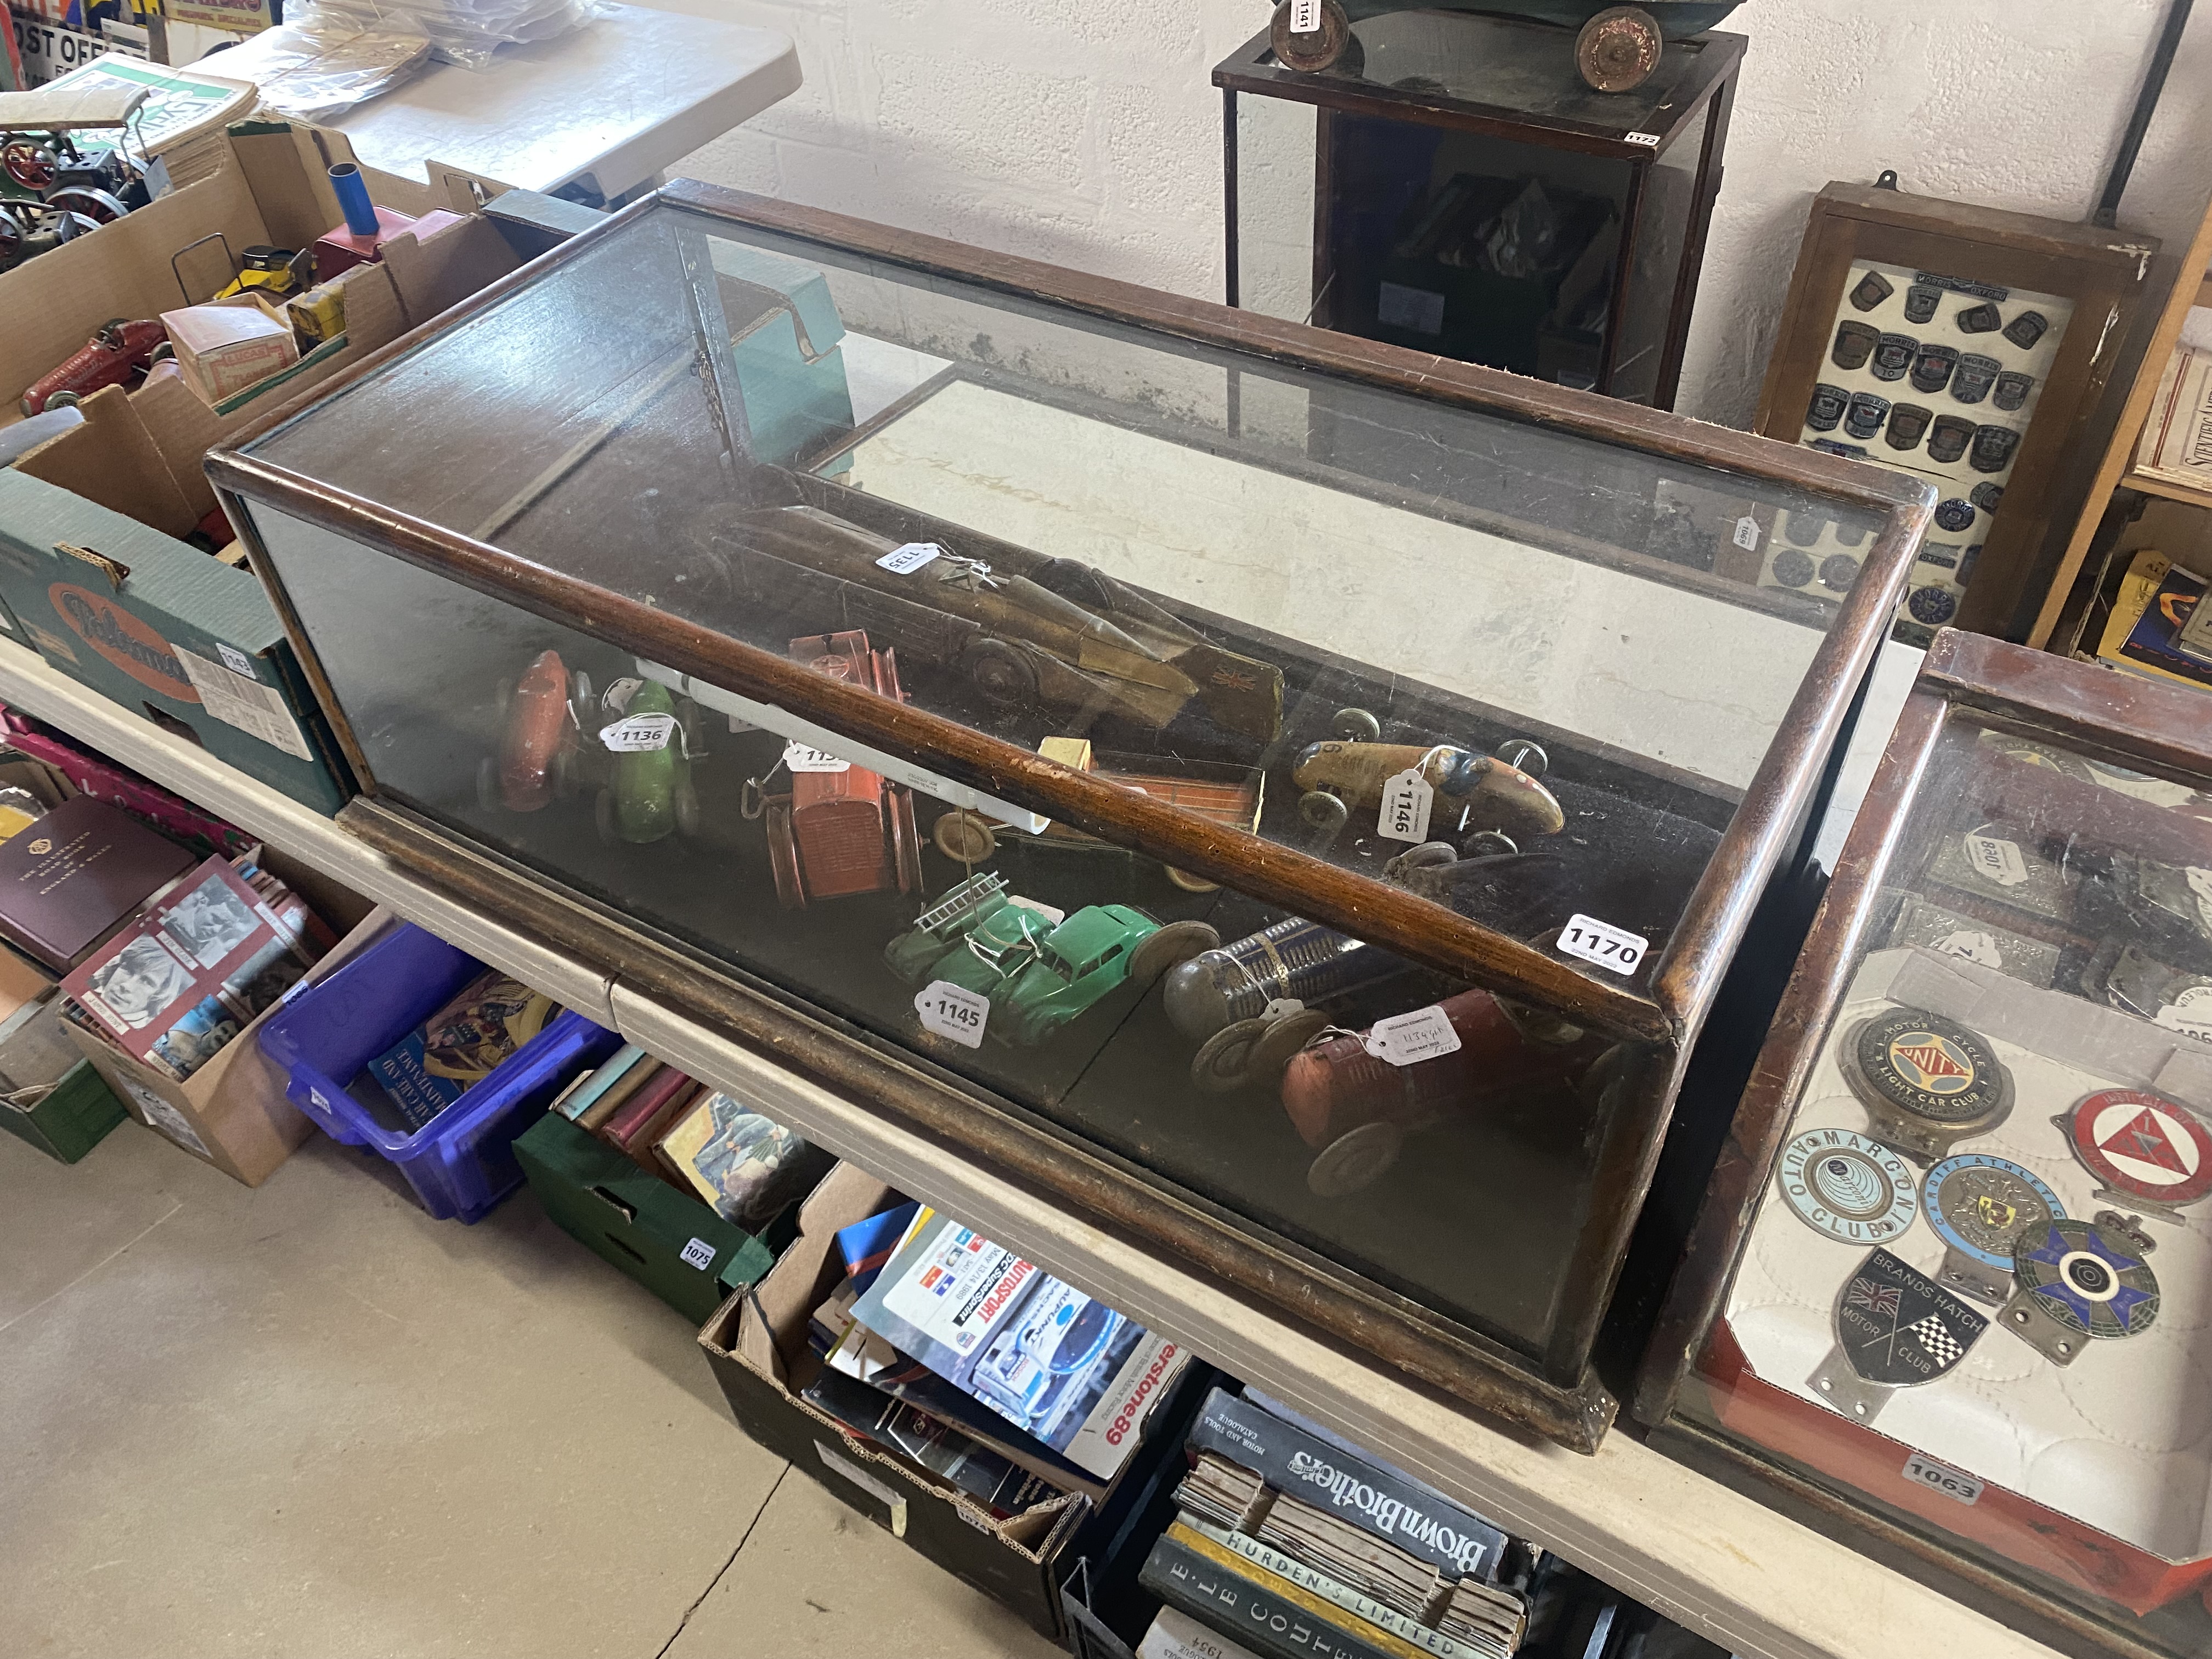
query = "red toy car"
x=121 y=351
x=843 y=830
x=1355 y=1110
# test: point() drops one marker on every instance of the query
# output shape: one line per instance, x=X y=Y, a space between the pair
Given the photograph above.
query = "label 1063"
x=1952 y=1483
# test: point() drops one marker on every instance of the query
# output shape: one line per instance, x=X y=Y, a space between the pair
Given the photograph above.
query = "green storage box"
x=669 y=1242
x=72 y=1120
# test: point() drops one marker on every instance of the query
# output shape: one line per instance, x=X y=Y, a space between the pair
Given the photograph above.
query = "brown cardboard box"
x=226 y=345
x=756 y=1343
x=232 y=1112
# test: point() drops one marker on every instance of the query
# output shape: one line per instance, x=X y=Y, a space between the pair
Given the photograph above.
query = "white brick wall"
x=1087 y=133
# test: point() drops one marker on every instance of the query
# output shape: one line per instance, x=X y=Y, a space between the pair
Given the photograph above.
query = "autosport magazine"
x=1066 y=1369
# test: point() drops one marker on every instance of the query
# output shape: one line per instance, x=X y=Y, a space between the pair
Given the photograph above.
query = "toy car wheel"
x=1323 y=811
x=1351 y=1162
x=1002 y=673
x=579 y=697
x=1282 y=1040
x=1429 y=855
x=1356 y=726
x=488 y=783
x=1223 y=1062
x=604 y=819
x=30 y=165
x=1619 y=48
x=1191 y=884
x=964 y=837
x=783 y=856
x=1525 y=755
x=96 y=205
x=62 y=400
x=1179 y=941
x=688 y=820
x=1317 y=49
x=1490 y=844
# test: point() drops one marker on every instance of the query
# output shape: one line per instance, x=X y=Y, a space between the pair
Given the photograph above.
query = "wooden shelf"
x=2166 y=490
x=1725 y=1565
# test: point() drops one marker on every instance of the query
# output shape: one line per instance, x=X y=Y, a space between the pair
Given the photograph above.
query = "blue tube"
x=353 y=196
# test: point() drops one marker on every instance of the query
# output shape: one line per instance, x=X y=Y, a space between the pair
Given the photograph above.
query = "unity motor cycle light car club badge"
x=1855 y=1190
x=1895 y=1328
x=2081 y=1281
x=1979 y=1204
x=1926 y=1081
x=2149 y=1152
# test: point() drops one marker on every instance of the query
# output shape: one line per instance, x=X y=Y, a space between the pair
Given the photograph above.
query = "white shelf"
x=1718 y=1562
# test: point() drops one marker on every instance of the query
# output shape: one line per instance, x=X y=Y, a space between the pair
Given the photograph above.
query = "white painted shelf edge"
x=1719 y=1562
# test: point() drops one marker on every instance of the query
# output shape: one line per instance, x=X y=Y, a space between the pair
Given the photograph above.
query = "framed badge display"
x=1963 y=345
x=1951 y=1286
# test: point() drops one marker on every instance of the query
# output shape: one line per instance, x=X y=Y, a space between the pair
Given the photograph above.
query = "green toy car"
x=1037 y=974
x=651 y=793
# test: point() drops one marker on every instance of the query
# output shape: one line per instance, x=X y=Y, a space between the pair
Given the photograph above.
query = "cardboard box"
x=77 y=1109
x=232 y=1112
x=227 y=345
x=756 y=1343
x=158 y=627
x=668 y=1241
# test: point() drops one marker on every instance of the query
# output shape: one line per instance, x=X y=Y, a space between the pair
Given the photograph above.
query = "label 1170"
x=1602 y=943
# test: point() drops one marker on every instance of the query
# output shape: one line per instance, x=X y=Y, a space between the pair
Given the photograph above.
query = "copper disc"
x=1618 y=49
x=1314 y=52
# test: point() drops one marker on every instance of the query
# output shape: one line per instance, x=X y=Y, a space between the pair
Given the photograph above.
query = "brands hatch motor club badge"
x=1895 y=1328
x=1855 y=1190
x=1979 y=1204
x=2149 y=1152
x=2081 y=1281
x=1926 y=1081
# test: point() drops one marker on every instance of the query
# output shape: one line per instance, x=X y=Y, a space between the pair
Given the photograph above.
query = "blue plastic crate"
x=461 y=1163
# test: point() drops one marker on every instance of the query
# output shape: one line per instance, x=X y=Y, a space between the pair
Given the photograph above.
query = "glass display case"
x=1451 y=183
x=1292 y=799
x=1952 y=1286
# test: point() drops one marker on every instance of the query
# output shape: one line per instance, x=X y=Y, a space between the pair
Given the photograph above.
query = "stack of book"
x=2177 y=437
x=200 y=960
x=746 y=1166
x=1289 y=1545
x=2147 y=633
x=955 y=1353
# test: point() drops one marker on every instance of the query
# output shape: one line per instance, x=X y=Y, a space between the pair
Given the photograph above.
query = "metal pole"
x=2124 y=164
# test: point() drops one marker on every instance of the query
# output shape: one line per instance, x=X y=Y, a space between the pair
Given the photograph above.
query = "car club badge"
x=1855 y=1190
x=1895 y=1328
x=1979 y=1204
x=2080 y=1281
x=1925 y=1081
x=2150 y=1153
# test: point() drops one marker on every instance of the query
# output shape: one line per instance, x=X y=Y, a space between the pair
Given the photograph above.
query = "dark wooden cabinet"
x=1466 y=193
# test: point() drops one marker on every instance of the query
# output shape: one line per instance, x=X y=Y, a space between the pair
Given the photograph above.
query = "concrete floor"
x=309 y=1420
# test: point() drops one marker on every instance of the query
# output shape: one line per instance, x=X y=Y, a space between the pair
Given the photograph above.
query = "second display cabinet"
x=1292 y=800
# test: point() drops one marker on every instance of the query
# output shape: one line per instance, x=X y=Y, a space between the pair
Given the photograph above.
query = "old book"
x=1273 y=1621
x=460 y=1045
x=617 y=1092
x=1057 y=1364
x=186 y=975
x=84 y=868
x=2177 y=439
x=1368 y=1495
x=1176 y=1635
x=995 y=1481
x=642 y=1106
x=747 y=1166
x=586 y=1090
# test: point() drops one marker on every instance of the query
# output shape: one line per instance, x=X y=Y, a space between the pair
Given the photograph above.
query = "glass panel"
x=1192 y=558
x=1979 y=1288
x=1026 y=965
x=1662 y=226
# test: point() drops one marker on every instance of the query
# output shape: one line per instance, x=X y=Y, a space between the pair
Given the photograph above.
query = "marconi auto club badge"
x=1855 y=1190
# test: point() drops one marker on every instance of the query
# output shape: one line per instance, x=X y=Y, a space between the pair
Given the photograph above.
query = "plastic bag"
x=464 y=32
x=315 y=67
